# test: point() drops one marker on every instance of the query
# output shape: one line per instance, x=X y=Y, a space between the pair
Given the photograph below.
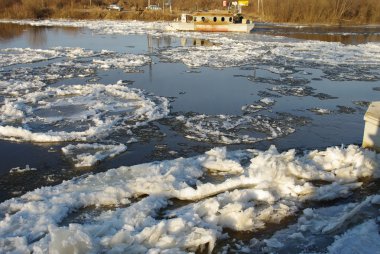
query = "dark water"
x=203 y=90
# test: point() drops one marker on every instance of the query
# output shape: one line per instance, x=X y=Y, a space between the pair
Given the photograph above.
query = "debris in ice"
x=227 y=129
x=77 y=112
x=87 y=155
x=135 y=213
x=21 y=170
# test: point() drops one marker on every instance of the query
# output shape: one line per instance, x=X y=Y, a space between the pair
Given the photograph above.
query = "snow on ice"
x=135 y=212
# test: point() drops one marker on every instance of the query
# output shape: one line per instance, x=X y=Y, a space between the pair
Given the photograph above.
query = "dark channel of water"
x=203 y=90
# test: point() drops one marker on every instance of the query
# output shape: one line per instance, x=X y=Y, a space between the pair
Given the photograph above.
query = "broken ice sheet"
x=12 y=56
x=137 y=199
x=73 y=64
x=228 y=129
x=78 y=112
x=87 y=155
x=361 y=61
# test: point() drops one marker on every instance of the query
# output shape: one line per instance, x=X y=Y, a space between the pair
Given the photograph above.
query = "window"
x=203 y=19
x=215 y=19
x=222 y=19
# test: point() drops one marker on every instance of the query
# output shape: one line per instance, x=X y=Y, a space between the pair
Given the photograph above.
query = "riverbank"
x=289 y=12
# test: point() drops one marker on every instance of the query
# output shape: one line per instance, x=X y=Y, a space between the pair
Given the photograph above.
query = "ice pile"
x=132 y=209
x=346 y=228
x=229 y=129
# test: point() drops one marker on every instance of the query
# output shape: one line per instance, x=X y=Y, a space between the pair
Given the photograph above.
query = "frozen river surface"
x=166 y=142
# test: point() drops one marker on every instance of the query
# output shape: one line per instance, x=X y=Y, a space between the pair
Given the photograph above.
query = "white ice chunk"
x=87 y=155
x=363 y=239
x=134 y=212
x=78 y=112
x=21 y=170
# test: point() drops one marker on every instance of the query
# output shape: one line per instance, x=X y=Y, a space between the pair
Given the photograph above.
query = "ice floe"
x=72 y=63
x=283 y=57
x=87 y=155
x=227 y=129
x=77 y=112
x=21 y=170
x=133 y=208
x=262 y=104
x=12 y=56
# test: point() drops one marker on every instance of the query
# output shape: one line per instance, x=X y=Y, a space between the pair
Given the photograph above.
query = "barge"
x=213 y=22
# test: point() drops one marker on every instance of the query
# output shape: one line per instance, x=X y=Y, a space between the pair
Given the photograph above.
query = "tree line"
x=297 y=11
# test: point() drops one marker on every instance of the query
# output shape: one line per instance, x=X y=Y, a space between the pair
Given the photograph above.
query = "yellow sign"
x=243 y=2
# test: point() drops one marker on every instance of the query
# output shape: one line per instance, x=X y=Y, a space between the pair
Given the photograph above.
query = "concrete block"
x=371 y=137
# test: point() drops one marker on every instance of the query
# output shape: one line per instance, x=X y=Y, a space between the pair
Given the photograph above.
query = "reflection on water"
x=35 y=35
x=345 y=35
x=9 y=32
x=158 y=42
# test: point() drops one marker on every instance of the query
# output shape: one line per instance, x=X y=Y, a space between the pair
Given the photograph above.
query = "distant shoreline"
x=299 y=25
